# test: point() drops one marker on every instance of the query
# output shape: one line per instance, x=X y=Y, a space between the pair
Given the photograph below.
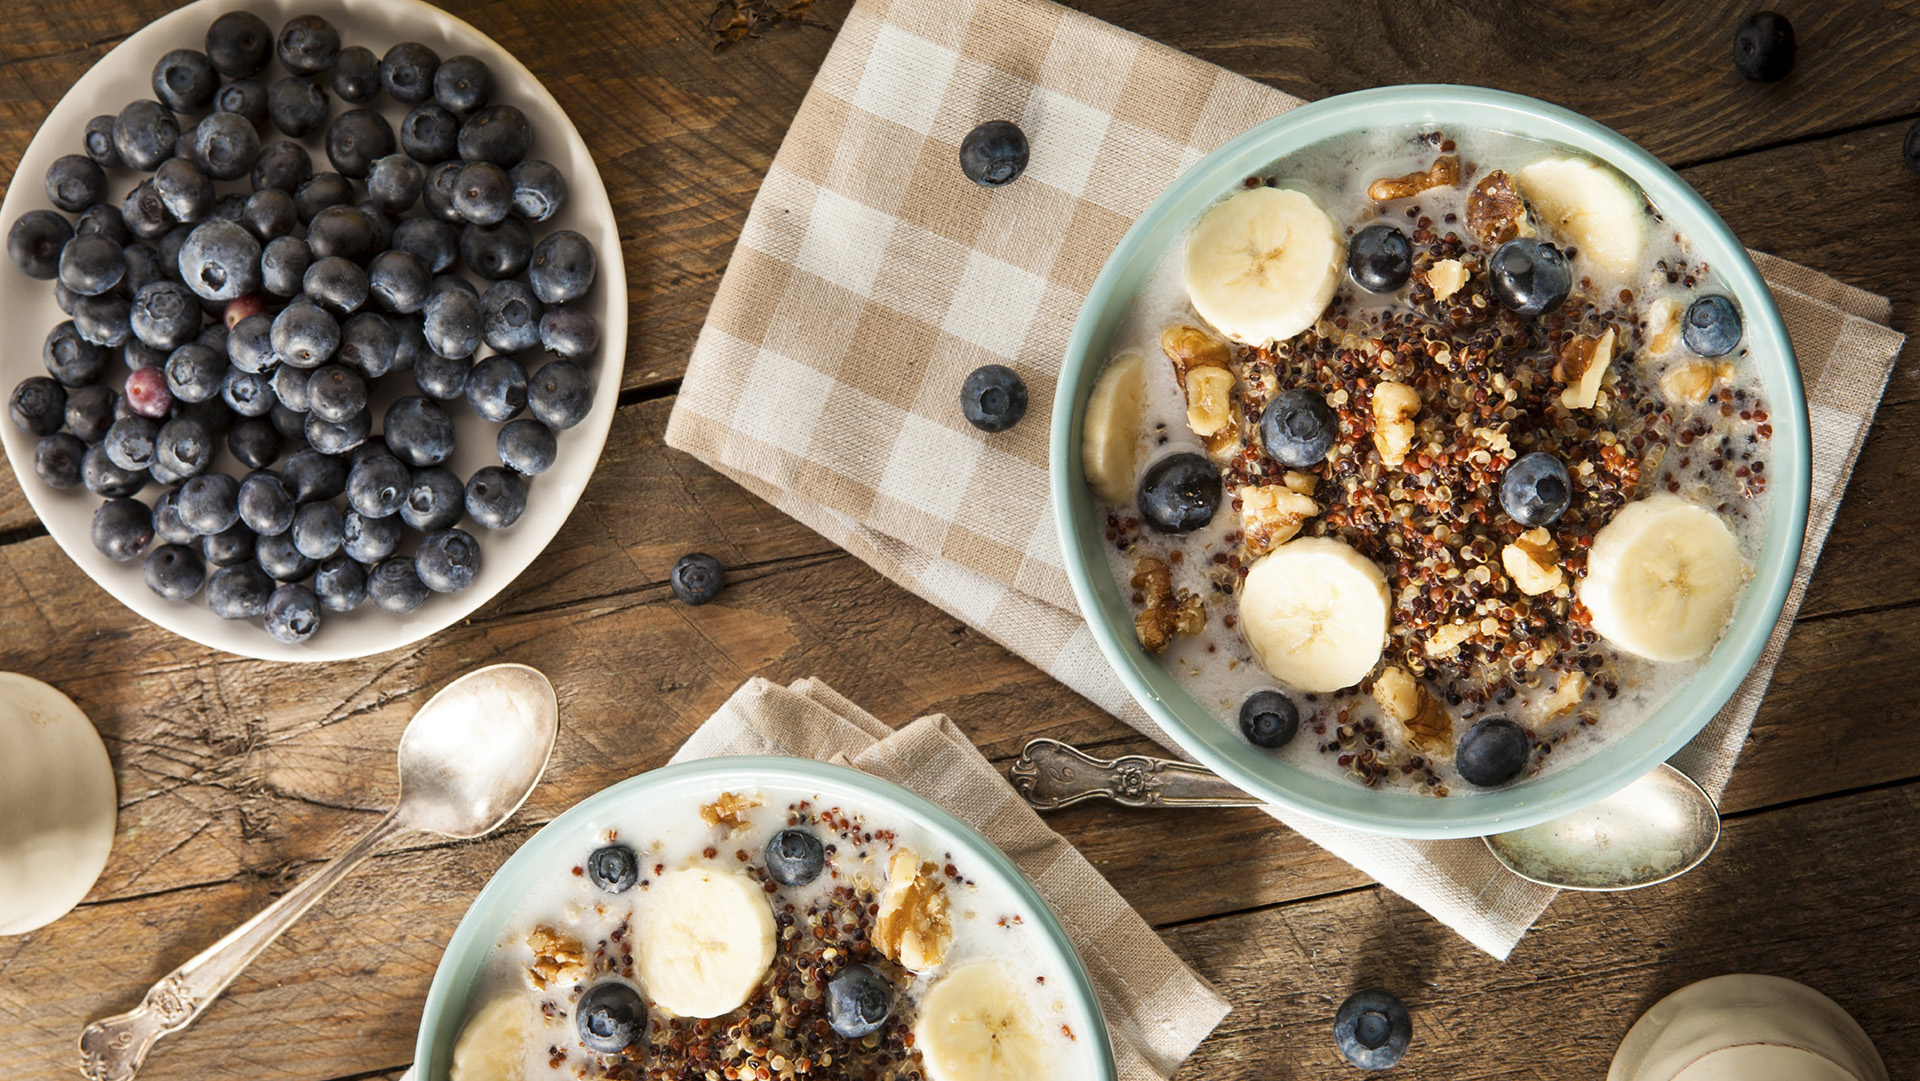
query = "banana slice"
x=1589 y=206
x=1263 y=263
x=706 y=938
x=1315 y=612
x=493 y=1046
x=1662 y=577
x=1110 y=433
x=976 y=1025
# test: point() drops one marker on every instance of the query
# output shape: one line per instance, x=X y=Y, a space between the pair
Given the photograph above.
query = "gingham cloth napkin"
x=871 y=277
x=1157 y=1009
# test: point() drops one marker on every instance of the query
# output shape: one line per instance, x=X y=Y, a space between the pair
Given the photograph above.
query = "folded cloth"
x=1157 y=1009
x=871 y=277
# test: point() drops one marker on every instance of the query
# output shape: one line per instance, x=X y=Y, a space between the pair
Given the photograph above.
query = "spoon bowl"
x=473 y=753
x=1657 y=828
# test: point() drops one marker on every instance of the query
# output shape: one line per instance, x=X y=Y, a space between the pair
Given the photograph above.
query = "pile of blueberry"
x=255 y=301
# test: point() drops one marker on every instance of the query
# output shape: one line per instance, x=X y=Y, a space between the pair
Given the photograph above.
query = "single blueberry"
x=106 y=320
x=481 y=192
x=1269 y=719
x=239 y=592
x=463 y=83
x=337 y=284
x=246 y=99
x=195 y=373
x=368 y=343
x=165 y=315
x=144 y=134
x=57 y=458
x=269 y=215
x=1530 y=277
x=398 y=281
x=338 y=437
x=122 y=529
x=377 y=486
x=283 y=165
x=304 y=334
x=72 y=360
x=221 y=260
x=395 y=588
x=795 y=857
x=369 y=540
x=560 y=394
x=509 y=316
x=265 y=503
x=167 y=526
x=1536 y=490
x=570 y=332
x=539 y=189
x=209 y=503
x=611 y=1017
x=296 y=106
x=614 y=868
x=441 y=378
x=318 y=530
x=90 y=412
x=276 y=554
x=356 y=139
x=496 y=133
x=430 y=134
x=435 y=243
x=497 y=388
x=104 y=219
x=993 y=398
x=1380 y=258
x=308 y=44
x=1179 y=493
x=1372 y=1030
x=696 y=578
x=104 y=477
x=130 y=441
x=394 y=183
x=356 y=75
x=75 y=182
x=185 y=80
x=340 y=583
x=35 y=242
x=1711 y=327
x=283 y=268
x=239 y=44
x=99 y=142
x=407 y=71
x=249 y=394
x=1298 y=429
x=500 y=250
x=1763 y=47
x=1492 y=753
x=994 y=154
x=563 y=267
x=859 y=1001
x=293 y=614
x=184 y=447
x=314 y=475
x=229 y=547
x=448 y=560
x=226 y=144
x=452 y=324
x=254 y=442
x=526 y=446
x=418 y=431
x=91 y=264
x=435 y=500
x=496 y=497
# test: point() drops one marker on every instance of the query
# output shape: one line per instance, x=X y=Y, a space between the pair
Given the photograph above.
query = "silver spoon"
x=1657 y=828
x=468 y=760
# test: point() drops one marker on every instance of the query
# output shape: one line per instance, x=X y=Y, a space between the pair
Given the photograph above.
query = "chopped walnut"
x=1446 y=277
x=1493 y=439
x=1394 y=407
x=1304 y=483
x=1189 y=347
x=912 y=926
x=1209 y=400
x=1533 y=562
x=1495 y=211
x=727 y=810
x=1663 y=326
x=1443 y=173
x=1446 y=638
x=1583 y=364
x=1425 y=722
x=1567 y=694
x=1200 y=362
x=1271 y=514
x=1166 y=613
x=1690 y=383
x=557 y=957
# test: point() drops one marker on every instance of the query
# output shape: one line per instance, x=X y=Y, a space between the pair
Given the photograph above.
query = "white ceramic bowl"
x=27 y=308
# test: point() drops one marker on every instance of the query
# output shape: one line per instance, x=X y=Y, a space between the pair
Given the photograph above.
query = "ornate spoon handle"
x=1052 y=774
x=112 y=1048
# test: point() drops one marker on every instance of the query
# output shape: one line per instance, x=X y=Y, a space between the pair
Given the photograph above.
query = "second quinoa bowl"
x=1430 y=460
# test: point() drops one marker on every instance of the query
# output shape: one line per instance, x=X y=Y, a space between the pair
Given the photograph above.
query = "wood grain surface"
x=236 y=776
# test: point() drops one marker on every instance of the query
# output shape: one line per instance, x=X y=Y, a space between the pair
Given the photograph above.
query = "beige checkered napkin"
x=1157 y=1009
x=871 y=277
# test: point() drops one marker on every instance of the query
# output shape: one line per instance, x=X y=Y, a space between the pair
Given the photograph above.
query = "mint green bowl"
x=560 y=842
x=1220 y=747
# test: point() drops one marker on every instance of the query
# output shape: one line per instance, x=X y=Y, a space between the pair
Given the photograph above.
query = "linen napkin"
x=871 y=277
x=1157 y=1009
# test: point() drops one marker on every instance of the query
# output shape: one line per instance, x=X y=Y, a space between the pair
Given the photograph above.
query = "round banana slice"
x=1591 y=207
x=1662 y=577
x=705 y=940
x=494 y=1044
x=1315 y=612
x=1263 y=263
x=1110 y=432
x=976 y=1025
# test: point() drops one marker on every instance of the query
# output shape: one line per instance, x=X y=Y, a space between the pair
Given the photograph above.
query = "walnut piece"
x=1583 y=364
x=1200 y=362
x=1304 y=483
x=1445 y=639
x=913 y=926
x=727 y=810
x=557 y=957
x=1533 y=562
x=1209 y=400
x=1394 y=407
x=1424 y=721
x=1690 y=383
x=1443 y=173
x=1271 y=514
x=1495 y=211
x=1663 y=326
x=1446 y=277
x=1166 y=613
x=1567 y=694
x=1189 y=347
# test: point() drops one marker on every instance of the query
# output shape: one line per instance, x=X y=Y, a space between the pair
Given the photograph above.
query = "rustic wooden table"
x=236 y=776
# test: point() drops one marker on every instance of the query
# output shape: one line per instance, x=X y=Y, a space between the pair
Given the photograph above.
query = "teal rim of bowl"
x=473 y=940
x=1604 y=770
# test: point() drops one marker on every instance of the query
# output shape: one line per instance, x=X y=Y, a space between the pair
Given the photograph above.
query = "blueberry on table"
x=1492 y=753
x=265 y=503
x=526 y=446
x=105 y=320
x=304 y=334
x=75 y=182
x=72 y=360
x=293 y=614
x=509 y=317
x=56 y=459
x=560 y=394
x=1380 y=258
x=356 y=139
x=859 y=1001
x=369 y=540
x=356 y=75
x=463 y=83
x=993 y=398
x=338 y=437
x=129 y=442
x=570 y=332
x=144 y=134
x=220 y=260
x=994 y=154
x=1536 y=490
x=1373 y=1029
x=610 y=1018
x=239 y=44
x=496 y=497
x=795 y=857
x=1298 y=428
x=1179 y=493
x=496 y=133
x=430 y=134
x=244 y=98
x=98 y=140
x=563 y=267
x=539 y=189
x=122 y=529
x=308 y=44
x=249 y=394
x=1711 y=327
x=284 y=165
x=276 y=555
x=227 y=146
x=1269 y=719
x=35 y=242
x=448 y=560
x=614 y=868
x=340 y=583
x=239 y=592
x=377 y=486
x=696 y=578
x=184 y=80
x=1763 y=47
x=395 y=588
x=91 y=265
x=209 y=503
x=1530 y=277
x=296 y=106
x=452 y=324
x=337 y=284
x=435 y=500
x=229 y=547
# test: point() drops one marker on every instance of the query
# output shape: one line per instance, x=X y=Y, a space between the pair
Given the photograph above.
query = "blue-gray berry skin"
x=697 y=578
x=1269 y=719
x=340 y=583
x=1711 y=326
x=497 y=388
x=296 y=106
x=356 y=139
x=209 y=503
x=355 y=77
x=448 y=560
x=57 y=458
x=395 y=183
x=103 y=477
x=859 y=1001
x=500 y=250
x=1536 y=490
x=795 y=857
x=993 y=398
x=313 y=475
x=369 y=540
x=441 y=378
x=184 y=447
x=269 y=215
x=229 y=547
x=435 y=243
x=227 y=144
x=265 y=503
x=293 y=614
x=184 y=189
x=249 y=394
x=430 y=133
x=496 y=497
x=395 y=587
x=35 y=241
x=75 y=182
x=239 y=44
x=452 y=324
x=342 y=230
x=443 y=182
x=611 y=1017
x=308 y=45
x=318 y=530
x=106 y=320
x=497 y=133
x=368 y=344
x=377 y=486
x=144 y=134
x=1530 y=277
x=122 y=529
x=570 y=332
x=526 y=446
x=72 y=360
x=304 y=334
x=614 y=868
x=246 y=99
x=221 y=261
x=239 y=592
x=98 y=140
x=407 y=72
x=283 y=268
x=481 y=192
x=1179 y=493
x=91 y=264
x=539 y=189
x=1373 y=1030
x=90 y=412
x=282 y=164
x=337 y=284
x=1493 y=752
x=435 y=499
x=130 y=442
x=560 y=394
x=563 y=267
x=167 y=526
x=105 y=219
x=145 y=267
x=277 y=556
x=994 y=154
x=419 y=432
x=253 y=442
x=398 y=281
x=165 y=315
x=510 y=317
x=174 y=571
x=335 y=394
x=1380 y=258
x=339 y=437
x=463 y=83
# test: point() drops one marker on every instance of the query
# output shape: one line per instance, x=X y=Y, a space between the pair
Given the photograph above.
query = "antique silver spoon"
x=468 y=759
x=1657 y=828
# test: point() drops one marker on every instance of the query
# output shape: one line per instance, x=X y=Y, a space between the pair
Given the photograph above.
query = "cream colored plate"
x=57 y=804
